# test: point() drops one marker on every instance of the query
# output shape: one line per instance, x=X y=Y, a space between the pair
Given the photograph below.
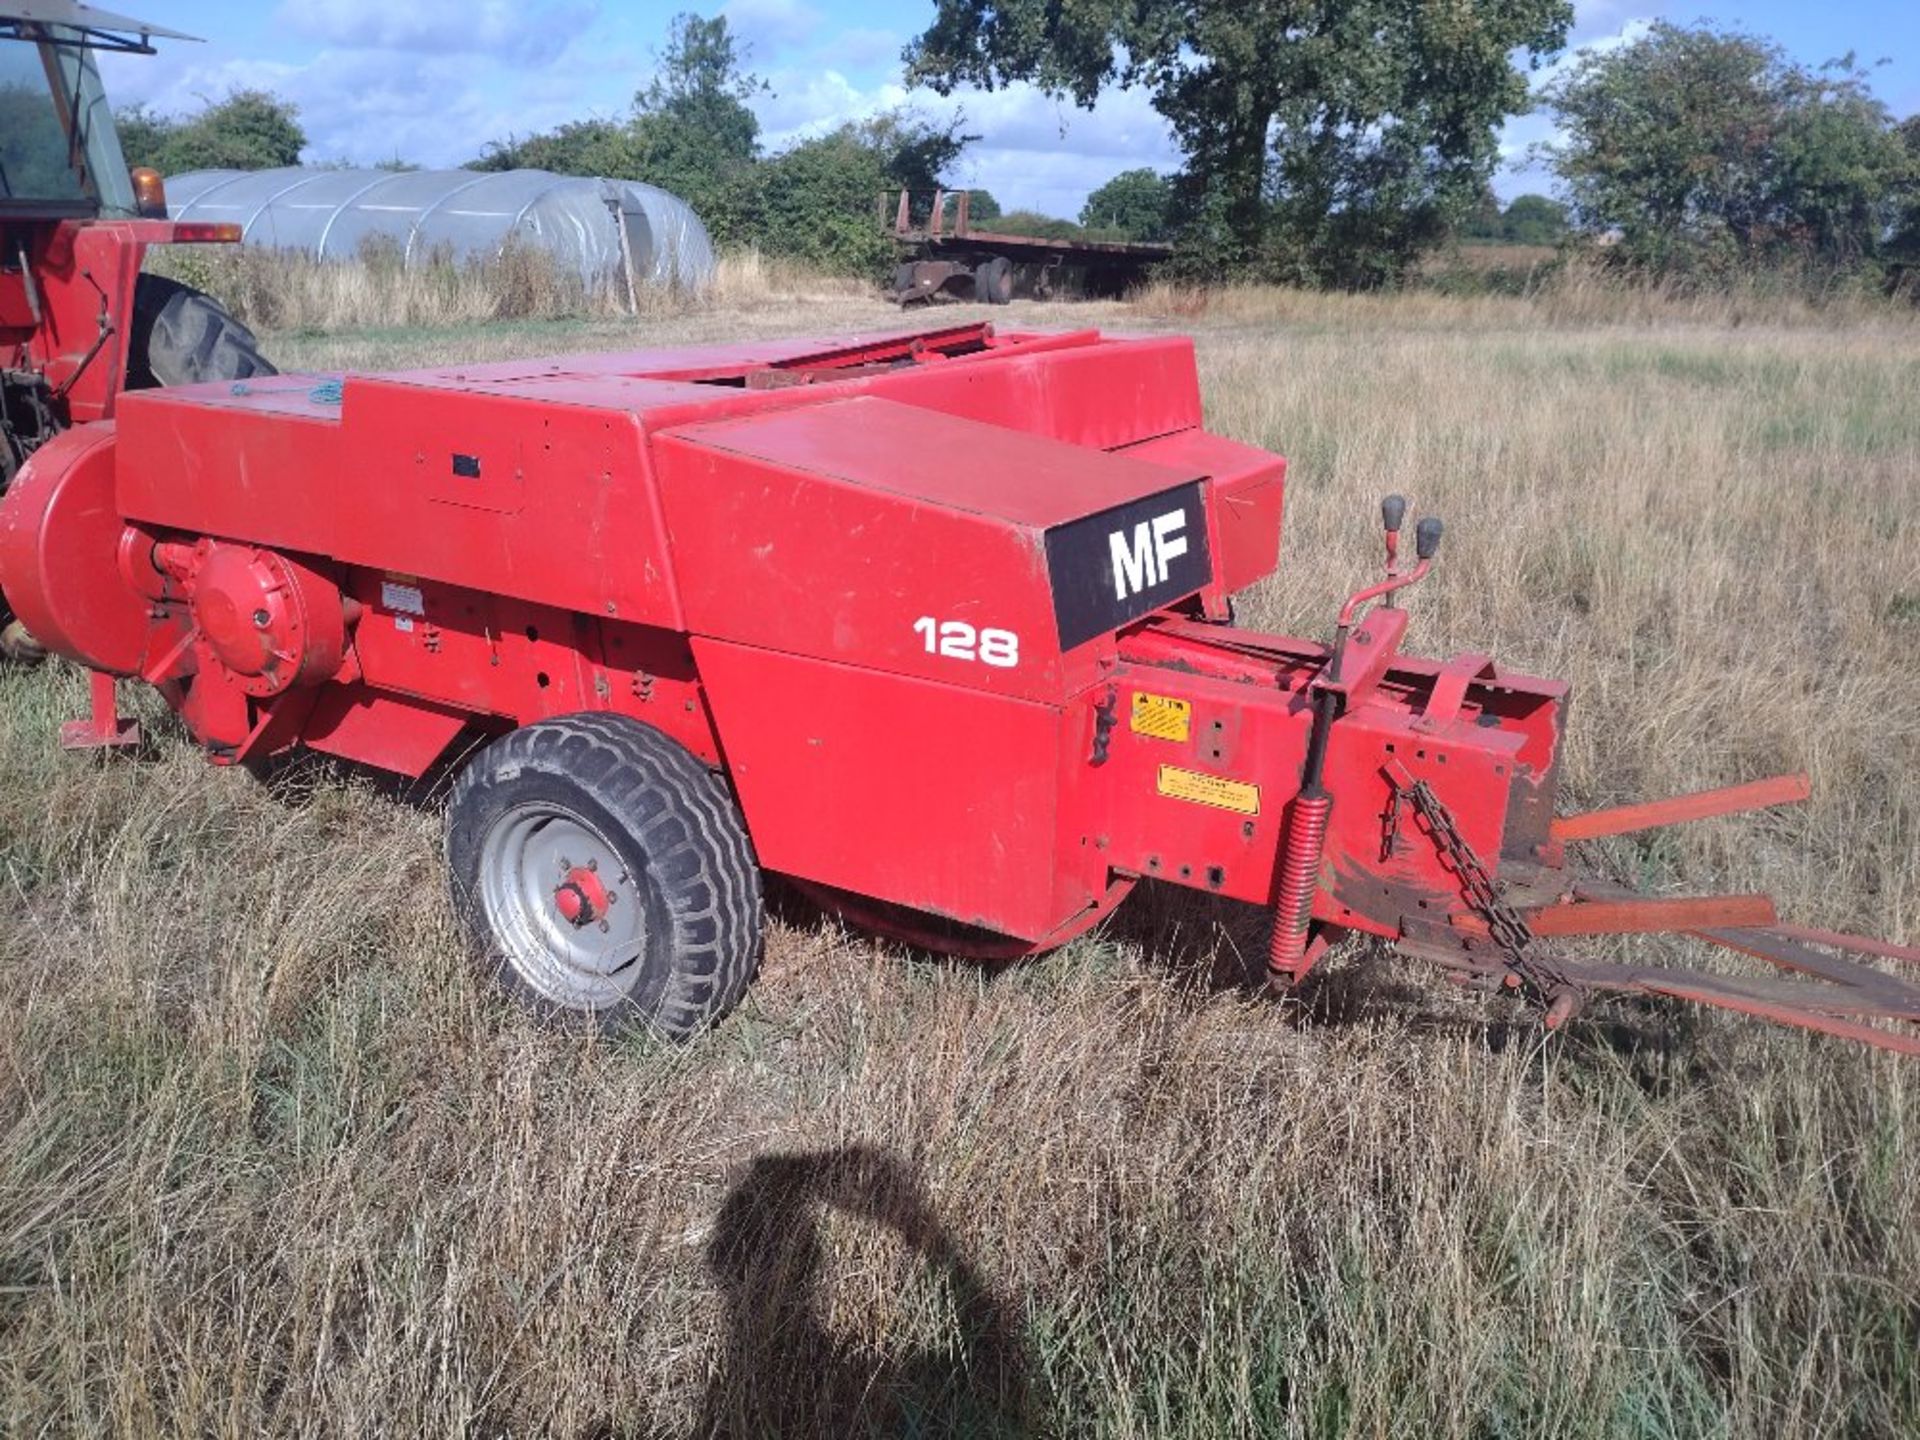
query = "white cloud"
x=1607 y=16
x=366 y=106
x=1035 y=152
x=1634 y=28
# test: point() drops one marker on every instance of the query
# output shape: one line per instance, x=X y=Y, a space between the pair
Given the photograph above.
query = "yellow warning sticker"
x=1223 y=794
x=1161 y=716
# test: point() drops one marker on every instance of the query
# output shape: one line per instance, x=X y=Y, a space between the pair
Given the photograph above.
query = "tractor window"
x=36 y=158
x=107 y=179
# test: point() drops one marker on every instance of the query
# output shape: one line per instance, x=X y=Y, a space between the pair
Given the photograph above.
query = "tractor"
x=79 y=322
x=938 y=626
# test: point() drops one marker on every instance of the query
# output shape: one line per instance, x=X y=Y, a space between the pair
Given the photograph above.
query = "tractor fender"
x=60 y=533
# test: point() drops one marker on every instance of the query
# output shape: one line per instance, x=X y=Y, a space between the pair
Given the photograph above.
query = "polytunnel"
x=600 y=229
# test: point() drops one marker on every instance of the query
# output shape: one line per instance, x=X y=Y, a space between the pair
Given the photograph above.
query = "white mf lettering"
x=1143 y=560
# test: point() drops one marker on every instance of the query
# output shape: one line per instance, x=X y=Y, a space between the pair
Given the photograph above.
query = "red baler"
x=936 y=625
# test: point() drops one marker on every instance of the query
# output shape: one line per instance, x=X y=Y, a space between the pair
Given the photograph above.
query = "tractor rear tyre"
x=603 y=874
x=16 y=644
x=993 y=281
x=181 y=336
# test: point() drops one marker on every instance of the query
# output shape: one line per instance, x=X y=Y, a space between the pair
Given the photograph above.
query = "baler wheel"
x=604 y=874
x=181 y=336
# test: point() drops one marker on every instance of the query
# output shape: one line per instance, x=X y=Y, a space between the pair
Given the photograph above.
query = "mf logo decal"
x=1145 y=557
x=1117 y=565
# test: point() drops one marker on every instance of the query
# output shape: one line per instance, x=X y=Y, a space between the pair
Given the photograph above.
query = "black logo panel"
x=1126 y=562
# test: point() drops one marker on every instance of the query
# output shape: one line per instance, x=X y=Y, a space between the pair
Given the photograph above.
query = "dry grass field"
x=274 y=1161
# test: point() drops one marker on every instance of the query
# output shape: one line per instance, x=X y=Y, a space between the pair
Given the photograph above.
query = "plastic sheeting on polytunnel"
x=588 y=225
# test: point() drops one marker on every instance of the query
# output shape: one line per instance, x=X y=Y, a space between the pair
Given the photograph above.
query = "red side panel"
x=860 y=530
x=1099 y=396
x=538 y=501
x=917 y=793
x=1249 y=489
x=358 y=724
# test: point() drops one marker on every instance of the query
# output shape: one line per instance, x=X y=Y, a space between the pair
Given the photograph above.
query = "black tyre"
x=603 y=874
x=993 y=281
x=181 y=336
x=16 y=644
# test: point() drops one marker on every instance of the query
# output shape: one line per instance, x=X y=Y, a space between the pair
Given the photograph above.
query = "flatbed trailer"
x=948 y=256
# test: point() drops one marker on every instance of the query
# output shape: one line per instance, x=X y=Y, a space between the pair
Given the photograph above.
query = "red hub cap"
x=580 y=897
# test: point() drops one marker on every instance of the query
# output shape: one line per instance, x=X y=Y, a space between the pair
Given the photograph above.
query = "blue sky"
x=432 y=81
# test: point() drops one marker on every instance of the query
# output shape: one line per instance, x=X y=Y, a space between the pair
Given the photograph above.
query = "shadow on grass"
x=785 y=1371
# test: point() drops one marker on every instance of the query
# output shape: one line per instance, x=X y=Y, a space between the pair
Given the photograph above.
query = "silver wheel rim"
x=562 y=907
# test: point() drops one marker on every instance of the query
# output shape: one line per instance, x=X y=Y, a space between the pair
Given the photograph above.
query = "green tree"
x=1707 y=148
x=249 y=130
x=1325 y=140
x=1133 y=205
x=1482 y=220
x=981 y=206
x=143 y=135
x=580 y=147
x=1905 y=244
x=692 y=130
x=1533 y=220
x=1032 y=222
x=815 y=200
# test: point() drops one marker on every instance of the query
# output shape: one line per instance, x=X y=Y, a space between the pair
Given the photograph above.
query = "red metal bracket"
x=1702 y=805
x=1450 y=689
x=104 y=728
x=1366 y=657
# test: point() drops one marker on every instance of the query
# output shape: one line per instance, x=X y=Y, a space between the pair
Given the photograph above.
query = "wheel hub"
x=581 y=898
x=563 y=907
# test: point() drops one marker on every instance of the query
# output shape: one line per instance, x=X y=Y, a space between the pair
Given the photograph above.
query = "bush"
x=249 y=130
x=1710 y=153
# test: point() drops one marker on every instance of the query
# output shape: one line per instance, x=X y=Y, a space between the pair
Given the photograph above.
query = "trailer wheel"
x=181 y=336
x=603 y=874
x=993 y=281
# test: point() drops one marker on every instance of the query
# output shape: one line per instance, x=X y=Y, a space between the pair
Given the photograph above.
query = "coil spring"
x=1299 y=878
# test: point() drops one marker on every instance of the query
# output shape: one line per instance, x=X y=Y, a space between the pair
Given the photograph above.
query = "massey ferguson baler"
x=935 y=625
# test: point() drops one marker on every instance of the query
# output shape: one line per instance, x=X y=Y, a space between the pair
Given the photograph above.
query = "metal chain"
x=1507 y=926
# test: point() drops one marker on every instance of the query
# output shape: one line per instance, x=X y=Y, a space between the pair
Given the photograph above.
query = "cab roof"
x=97 y=29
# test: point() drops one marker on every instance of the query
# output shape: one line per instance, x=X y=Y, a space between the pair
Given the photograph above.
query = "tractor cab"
x=79 y=321
x=59 y=155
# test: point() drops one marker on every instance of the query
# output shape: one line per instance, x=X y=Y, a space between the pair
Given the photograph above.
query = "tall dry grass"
x=272 y=1160
x=1571 y=295
x=281 y=290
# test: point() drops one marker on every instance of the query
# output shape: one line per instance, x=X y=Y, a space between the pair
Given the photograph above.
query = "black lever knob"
x=1393 y=510
x=1426 y=537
